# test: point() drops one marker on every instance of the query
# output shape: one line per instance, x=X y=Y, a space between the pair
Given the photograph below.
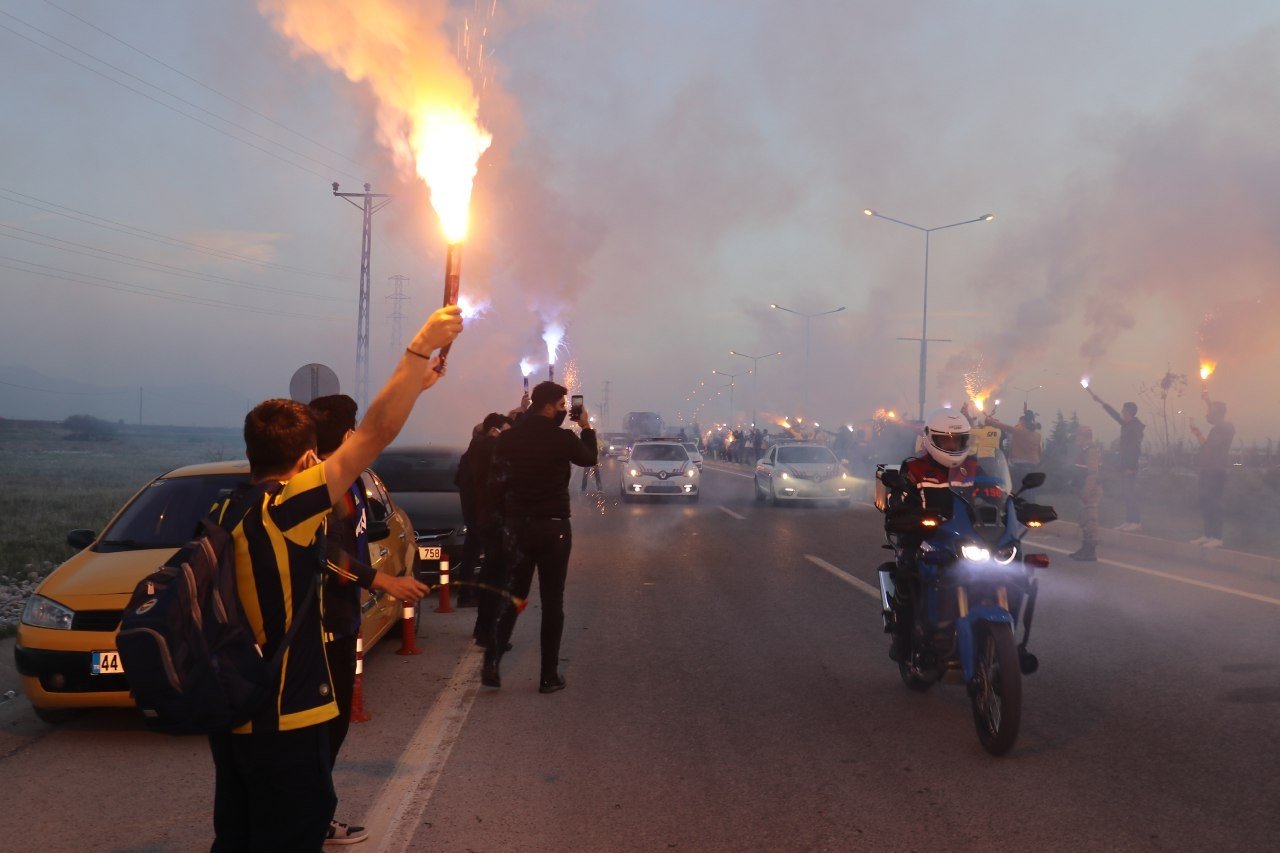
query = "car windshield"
x=659 y=453
x=167 y=513
x=691 y=447
x=802 y=455
x=418 y=471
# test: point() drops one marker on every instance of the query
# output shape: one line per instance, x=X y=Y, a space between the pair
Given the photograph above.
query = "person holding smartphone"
x=529 y=482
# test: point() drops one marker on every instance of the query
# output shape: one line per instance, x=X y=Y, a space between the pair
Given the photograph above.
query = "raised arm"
x=390 y=409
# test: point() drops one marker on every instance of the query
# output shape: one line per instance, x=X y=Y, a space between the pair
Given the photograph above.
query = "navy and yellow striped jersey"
x=277 y=563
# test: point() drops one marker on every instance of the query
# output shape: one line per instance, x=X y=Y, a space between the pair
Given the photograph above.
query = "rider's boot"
x=1086 y=554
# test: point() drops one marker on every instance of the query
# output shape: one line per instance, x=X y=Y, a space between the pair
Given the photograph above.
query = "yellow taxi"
x=66 y=650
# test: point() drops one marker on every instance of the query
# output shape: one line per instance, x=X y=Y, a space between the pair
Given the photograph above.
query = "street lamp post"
x=755 y=371
x=924 y=314
x=731 y=377
x=808 y=320
x=1026 y=394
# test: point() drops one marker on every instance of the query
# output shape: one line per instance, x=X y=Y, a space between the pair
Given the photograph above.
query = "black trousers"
x=273 y=791
x=1213 y=487
x=541 y=545
x=493 y=579
x=342 y=674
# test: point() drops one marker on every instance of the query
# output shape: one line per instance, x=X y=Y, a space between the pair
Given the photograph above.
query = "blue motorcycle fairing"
x=964 y=633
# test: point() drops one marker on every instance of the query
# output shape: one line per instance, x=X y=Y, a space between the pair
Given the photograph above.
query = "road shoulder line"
x=1252 y=596
x=396 y=815
x=731 y=512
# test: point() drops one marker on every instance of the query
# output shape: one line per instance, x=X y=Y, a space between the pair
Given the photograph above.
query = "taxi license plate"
x=106 y=663
x=428 y=552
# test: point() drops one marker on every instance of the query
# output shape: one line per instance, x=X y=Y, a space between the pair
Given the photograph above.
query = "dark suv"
x=420 y=482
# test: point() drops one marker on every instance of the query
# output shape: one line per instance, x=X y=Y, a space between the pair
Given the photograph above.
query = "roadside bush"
x=88 y=428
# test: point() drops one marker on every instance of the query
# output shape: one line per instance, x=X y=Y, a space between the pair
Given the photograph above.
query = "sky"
x=660 y=173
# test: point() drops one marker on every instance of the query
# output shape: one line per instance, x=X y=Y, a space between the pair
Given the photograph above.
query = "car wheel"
x=56 y=716
x=773 y=495
x=760 y=496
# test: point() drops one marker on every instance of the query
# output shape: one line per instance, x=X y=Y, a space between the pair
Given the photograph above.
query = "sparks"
x=1206 y=369
x=473 y=309
x=553 y=337
x=1084 y=382
x=527 y=367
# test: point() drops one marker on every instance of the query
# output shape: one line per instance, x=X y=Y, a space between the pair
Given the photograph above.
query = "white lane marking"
x=734 y=514
x=750 y=476
x=397 y=813
x=844 y=576
x=1252 y=596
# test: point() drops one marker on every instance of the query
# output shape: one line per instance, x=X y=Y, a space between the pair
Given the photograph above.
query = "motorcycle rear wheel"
x=996 y=689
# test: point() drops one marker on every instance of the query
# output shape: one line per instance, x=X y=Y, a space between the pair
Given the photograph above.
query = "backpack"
x=187 y=648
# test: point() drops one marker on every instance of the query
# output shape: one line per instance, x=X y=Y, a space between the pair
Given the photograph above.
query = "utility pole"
x=397 y=337
x=362 y=319
x=604 y=406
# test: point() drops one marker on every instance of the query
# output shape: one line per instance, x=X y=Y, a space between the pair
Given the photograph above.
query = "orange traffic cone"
x=408 y=637
x=446 y=604
x=358 y=713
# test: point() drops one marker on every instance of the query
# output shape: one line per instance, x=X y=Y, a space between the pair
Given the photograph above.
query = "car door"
x=764 y=469
x=386 y=532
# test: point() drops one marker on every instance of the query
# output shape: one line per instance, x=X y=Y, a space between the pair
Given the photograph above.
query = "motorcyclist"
x=947 y=462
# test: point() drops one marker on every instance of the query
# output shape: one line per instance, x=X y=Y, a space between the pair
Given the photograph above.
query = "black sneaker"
x=551 y=684
x=343 y=833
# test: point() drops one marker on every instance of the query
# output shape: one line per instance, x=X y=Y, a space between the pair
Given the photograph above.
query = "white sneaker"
x=341 y=833
x=1212 y=543
x=1199 y=540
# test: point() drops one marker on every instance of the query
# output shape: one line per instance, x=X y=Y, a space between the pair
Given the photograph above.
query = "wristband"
x=418 y=354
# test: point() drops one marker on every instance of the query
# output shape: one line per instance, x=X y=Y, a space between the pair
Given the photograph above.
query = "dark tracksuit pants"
x=541 y=545
x=493 y=580
x=341 y=653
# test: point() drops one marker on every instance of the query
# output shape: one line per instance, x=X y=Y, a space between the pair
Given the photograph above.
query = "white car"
x=660 y=468
x=795 y=471
x=694 y=453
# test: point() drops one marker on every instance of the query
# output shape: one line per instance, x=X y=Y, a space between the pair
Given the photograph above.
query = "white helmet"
x=946 y=437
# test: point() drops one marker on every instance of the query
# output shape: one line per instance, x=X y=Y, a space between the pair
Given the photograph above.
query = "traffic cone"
x=446 y=604
x=408 y=638
x=358 y=713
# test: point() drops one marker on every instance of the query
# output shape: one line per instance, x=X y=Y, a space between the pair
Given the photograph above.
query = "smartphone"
x=575 y=407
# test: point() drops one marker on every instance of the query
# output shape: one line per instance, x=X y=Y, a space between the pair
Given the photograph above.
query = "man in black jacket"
x=487 y=525
x=1131 y=430
x=529 y=483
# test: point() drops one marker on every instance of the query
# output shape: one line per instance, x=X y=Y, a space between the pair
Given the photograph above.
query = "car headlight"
x=1006 y=554
x=42 y=612
x=786 y=476
x=635 y=473
x=692 y=472
x=975 y=553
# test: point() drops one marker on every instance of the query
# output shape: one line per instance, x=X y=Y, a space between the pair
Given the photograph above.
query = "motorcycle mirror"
x=1033 y=480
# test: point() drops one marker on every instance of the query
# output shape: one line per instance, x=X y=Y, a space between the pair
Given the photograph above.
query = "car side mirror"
x=1033 y=480
x=81 y=539
x=377 y=530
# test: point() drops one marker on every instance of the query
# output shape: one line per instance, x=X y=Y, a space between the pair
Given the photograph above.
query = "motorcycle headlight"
x=975 y=553
x=42 y=612
x=1006 y=554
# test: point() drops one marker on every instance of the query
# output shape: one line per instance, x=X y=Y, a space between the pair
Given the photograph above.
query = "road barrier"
x=358 y=713
x=446 y=605
x=408 y=634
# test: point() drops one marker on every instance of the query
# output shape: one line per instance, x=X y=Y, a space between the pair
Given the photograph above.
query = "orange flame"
x=427 y=106
x=1206 y=369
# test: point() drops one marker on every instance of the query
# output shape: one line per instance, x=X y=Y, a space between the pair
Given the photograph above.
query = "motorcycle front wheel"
x=996 y=689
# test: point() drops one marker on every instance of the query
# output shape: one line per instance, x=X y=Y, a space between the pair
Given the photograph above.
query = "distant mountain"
x=28 y=394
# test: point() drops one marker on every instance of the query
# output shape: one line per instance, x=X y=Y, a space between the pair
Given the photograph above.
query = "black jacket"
x=530 y=473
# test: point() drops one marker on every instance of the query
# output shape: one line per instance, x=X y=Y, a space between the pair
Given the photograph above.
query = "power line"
x=203 y=85
x=168 y=106
x=144 y=234
x=151 y=266
x=143 y=290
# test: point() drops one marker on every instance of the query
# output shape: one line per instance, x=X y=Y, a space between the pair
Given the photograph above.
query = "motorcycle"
x=969 y=582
